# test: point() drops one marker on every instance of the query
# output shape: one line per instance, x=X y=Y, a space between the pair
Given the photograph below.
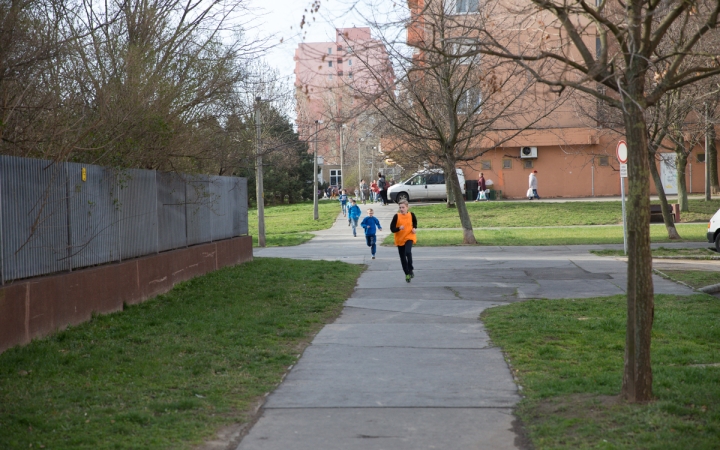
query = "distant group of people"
x=532 y=192
x=403 y=226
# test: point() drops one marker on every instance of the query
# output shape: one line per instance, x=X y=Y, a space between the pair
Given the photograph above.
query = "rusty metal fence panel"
x=60 y=216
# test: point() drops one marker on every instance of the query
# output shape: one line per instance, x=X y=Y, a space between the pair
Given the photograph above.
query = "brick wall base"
x=37 y=307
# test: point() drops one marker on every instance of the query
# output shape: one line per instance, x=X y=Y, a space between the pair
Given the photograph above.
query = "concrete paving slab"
x=383 y=429
x=571 y=273
x=331 y=376
x=469 y=309
x=572 y=289
x=363 y=315
x=426 y=293
x=413 y=335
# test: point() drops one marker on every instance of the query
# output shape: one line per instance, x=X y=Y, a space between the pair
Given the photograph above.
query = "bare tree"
x=626 y=48
x=450 y=105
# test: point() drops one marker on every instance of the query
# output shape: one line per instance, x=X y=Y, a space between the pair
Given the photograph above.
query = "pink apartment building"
x=332 y=83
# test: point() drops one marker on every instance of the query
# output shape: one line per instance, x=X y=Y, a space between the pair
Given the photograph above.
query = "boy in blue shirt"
x=370 y=223
x=353 y=216
x=343 y=198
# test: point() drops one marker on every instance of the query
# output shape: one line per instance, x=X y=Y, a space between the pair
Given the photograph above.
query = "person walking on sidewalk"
x=364 y=191
x=382 y=185
x=343 y=198
x=532 y=186
x=404 y=226
x=482 y=195
x=370 y=224
x=353 y=216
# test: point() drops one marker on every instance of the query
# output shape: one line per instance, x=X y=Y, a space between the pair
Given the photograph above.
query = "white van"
x=713 y=232
x=425 y=185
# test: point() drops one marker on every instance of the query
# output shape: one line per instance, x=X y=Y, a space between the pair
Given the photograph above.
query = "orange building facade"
x=571 y=151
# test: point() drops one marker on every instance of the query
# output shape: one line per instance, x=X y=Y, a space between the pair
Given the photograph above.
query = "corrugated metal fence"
x=53 y=219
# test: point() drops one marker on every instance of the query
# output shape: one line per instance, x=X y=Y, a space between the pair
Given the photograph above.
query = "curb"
x=712 y=289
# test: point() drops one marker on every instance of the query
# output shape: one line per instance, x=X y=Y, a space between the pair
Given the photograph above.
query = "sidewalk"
x=410 y=366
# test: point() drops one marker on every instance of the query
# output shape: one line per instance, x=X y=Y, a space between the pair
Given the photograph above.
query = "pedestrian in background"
x=533 y=186
x=482 y=195
x=364 y=191
x=375 y=191
x=404 y=226
x=343 y=198
x=353 y=216
x=371 y=224
x=382 y=185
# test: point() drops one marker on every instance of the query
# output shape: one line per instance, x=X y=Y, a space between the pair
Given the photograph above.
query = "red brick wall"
x=37 y=307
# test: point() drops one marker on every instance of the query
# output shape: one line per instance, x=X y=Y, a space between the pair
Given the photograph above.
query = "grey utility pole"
x=259 y=177
x=316 y=216
x=708 y=196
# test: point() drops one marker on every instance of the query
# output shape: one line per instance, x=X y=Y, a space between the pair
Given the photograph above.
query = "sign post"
x=621 y=153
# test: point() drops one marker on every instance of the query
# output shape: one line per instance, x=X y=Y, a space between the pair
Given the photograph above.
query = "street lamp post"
x=316 y=216
x=259 y=177
x=360 y=141
x=342 y=159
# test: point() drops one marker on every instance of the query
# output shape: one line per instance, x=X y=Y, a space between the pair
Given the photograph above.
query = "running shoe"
x=407 y=278
x=373 y=257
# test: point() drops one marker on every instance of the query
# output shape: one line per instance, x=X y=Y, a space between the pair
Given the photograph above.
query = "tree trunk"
x=451 y=180
x=450 y=193
x=667 y=216
x=711 y=159
x=637 y=375
x=682 y=185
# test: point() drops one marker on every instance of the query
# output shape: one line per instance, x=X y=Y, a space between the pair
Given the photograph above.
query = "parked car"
x=713 y=232
x=424 y=185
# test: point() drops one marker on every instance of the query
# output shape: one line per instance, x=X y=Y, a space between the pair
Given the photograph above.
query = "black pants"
x=383 y=196
x=405 y=252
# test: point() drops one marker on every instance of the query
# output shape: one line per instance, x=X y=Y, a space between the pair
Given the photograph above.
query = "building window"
x=339 y=48
x=329 y=63
x=486 y=164
x=329 y=76
x=349 y=62
x=466 y=6
x=339 y=60
x=507 y=163
x=349 y=74
x=335 y=177
x=700 y=157
x=528 y=164
x=470 y=102
x=340 y=73
x=329 y=50
x=603 y=161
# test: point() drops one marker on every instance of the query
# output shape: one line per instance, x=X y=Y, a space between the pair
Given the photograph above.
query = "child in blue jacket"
x=353 y=216
x=370 y=224
x=343 y=198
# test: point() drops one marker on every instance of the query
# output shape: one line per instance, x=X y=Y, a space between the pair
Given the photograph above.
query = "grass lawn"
x=694 y=253
x=550 y=236
x=568 y=357
x=289 y=224
x=531 y=214
x=168 y=373
x=694 y=278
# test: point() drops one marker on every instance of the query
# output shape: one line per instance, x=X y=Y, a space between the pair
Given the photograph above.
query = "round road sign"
x=621 y=152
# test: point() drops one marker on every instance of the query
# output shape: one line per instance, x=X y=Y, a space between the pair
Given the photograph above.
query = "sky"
x=281 y=19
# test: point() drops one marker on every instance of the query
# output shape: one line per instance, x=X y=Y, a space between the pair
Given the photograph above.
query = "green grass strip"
x=290 y=224
x=168 y=373
x=694 y=278
x=551 y=236
x=707 y=253
x=568 y=357
x=535 y=214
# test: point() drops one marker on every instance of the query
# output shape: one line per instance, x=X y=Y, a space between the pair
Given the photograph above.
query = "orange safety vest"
x=406 y=234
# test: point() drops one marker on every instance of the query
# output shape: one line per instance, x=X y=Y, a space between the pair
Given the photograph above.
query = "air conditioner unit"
x=528 y=152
